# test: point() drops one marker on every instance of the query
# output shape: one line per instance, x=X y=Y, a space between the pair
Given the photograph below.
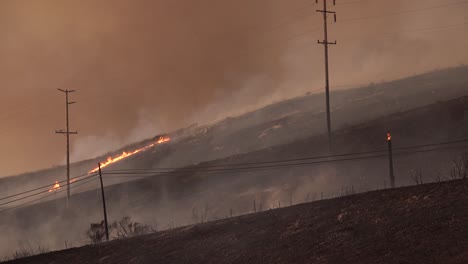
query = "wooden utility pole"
x=67 y=133
x=390 y=160
x=325 y=44
x=103 y=203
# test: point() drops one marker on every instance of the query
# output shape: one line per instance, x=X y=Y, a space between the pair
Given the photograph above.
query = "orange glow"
x=55 y=187
x=389 y=137
x=111 y=160
x=161 y=140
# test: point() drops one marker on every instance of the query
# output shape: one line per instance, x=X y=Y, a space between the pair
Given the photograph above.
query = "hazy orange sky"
x=145 y=67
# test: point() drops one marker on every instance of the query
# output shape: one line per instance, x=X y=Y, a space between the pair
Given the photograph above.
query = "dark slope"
x=423 y=224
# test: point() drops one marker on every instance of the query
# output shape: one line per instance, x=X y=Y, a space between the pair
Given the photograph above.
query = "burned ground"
x=419 y=224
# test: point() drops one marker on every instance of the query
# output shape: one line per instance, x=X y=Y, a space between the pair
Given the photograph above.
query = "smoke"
x=93 y=146
x=145 y=67
x=182 y=62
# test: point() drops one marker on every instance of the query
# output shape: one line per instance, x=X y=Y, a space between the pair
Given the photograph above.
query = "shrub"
x=97 y=232
x=125 y=227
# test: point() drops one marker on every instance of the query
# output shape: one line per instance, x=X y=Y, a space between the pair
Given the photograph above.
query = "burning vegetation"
x=55 y=187
x=111 y=160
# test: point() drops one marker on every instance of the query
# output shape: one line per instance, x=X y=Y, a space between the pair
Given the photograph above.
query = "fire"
x=161 y=140
x=111 y=160
x=55 y=187
x=389 y=137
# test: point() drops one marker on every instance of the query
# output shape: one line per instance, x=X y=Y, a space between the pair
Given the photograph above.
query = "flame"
x=389 y=136
x=55 y=187
x=125 y=154
x=161 y=140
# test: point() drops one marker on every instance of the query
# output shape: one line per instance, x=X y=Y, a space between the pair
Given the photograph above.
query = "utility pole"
x=103 y=203
x=325 y=44
x=67 y=133
x=390 y=160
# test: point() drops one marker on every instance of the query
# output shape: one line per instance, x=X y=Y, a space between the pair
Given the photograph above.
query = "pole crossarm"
x=326 y=11
x=65 y=132
x=326 y=43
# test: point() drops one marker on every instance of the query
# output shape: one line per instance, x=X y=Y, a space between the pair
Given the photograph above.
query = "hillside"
x=277 y=124
x=422 y=224
x=170 y=199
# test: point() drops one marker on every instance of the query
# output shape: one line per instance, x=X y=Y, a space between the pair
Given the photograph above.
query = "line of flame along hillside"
x=112 y=160
x=125 y=154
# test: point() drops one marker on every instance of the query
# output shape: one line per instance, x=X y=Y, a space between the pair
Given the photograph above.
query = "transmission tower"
x=67 y=133
x=325 y=44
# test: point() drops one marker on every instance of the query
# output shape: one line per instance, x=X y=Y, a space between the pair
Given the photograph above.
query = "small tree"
x=459 y=167
x=200 y=216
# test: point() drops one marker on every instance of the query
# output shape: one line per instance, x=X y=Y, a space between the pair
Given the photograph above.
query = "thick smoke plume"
x=183 y=62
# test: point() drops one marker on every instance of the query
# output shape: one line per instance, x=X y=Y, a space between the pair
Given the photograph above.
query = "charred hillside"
x=277 y=124
x=170 y=199
x=423 y=224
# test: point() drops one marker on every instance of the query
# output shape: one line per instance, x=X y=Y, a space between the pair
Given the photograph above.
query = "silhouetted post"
x=325 y=44
x=103 y=203
x=255 y=207
x=67 y=133
x=230 y=212
x=390 y=160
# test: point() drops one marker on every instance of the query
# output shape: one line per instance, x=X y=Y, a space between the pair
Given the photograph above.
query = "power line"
x=306 y=32
x=246 y=168
x=185 y=169
x=320 y=157
x=341 y=3
x=136 y=174
x=46 y=196
x=41 y=192
x=39 y=188
x=404 y=12
x=302 y=164
x=427 y=29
